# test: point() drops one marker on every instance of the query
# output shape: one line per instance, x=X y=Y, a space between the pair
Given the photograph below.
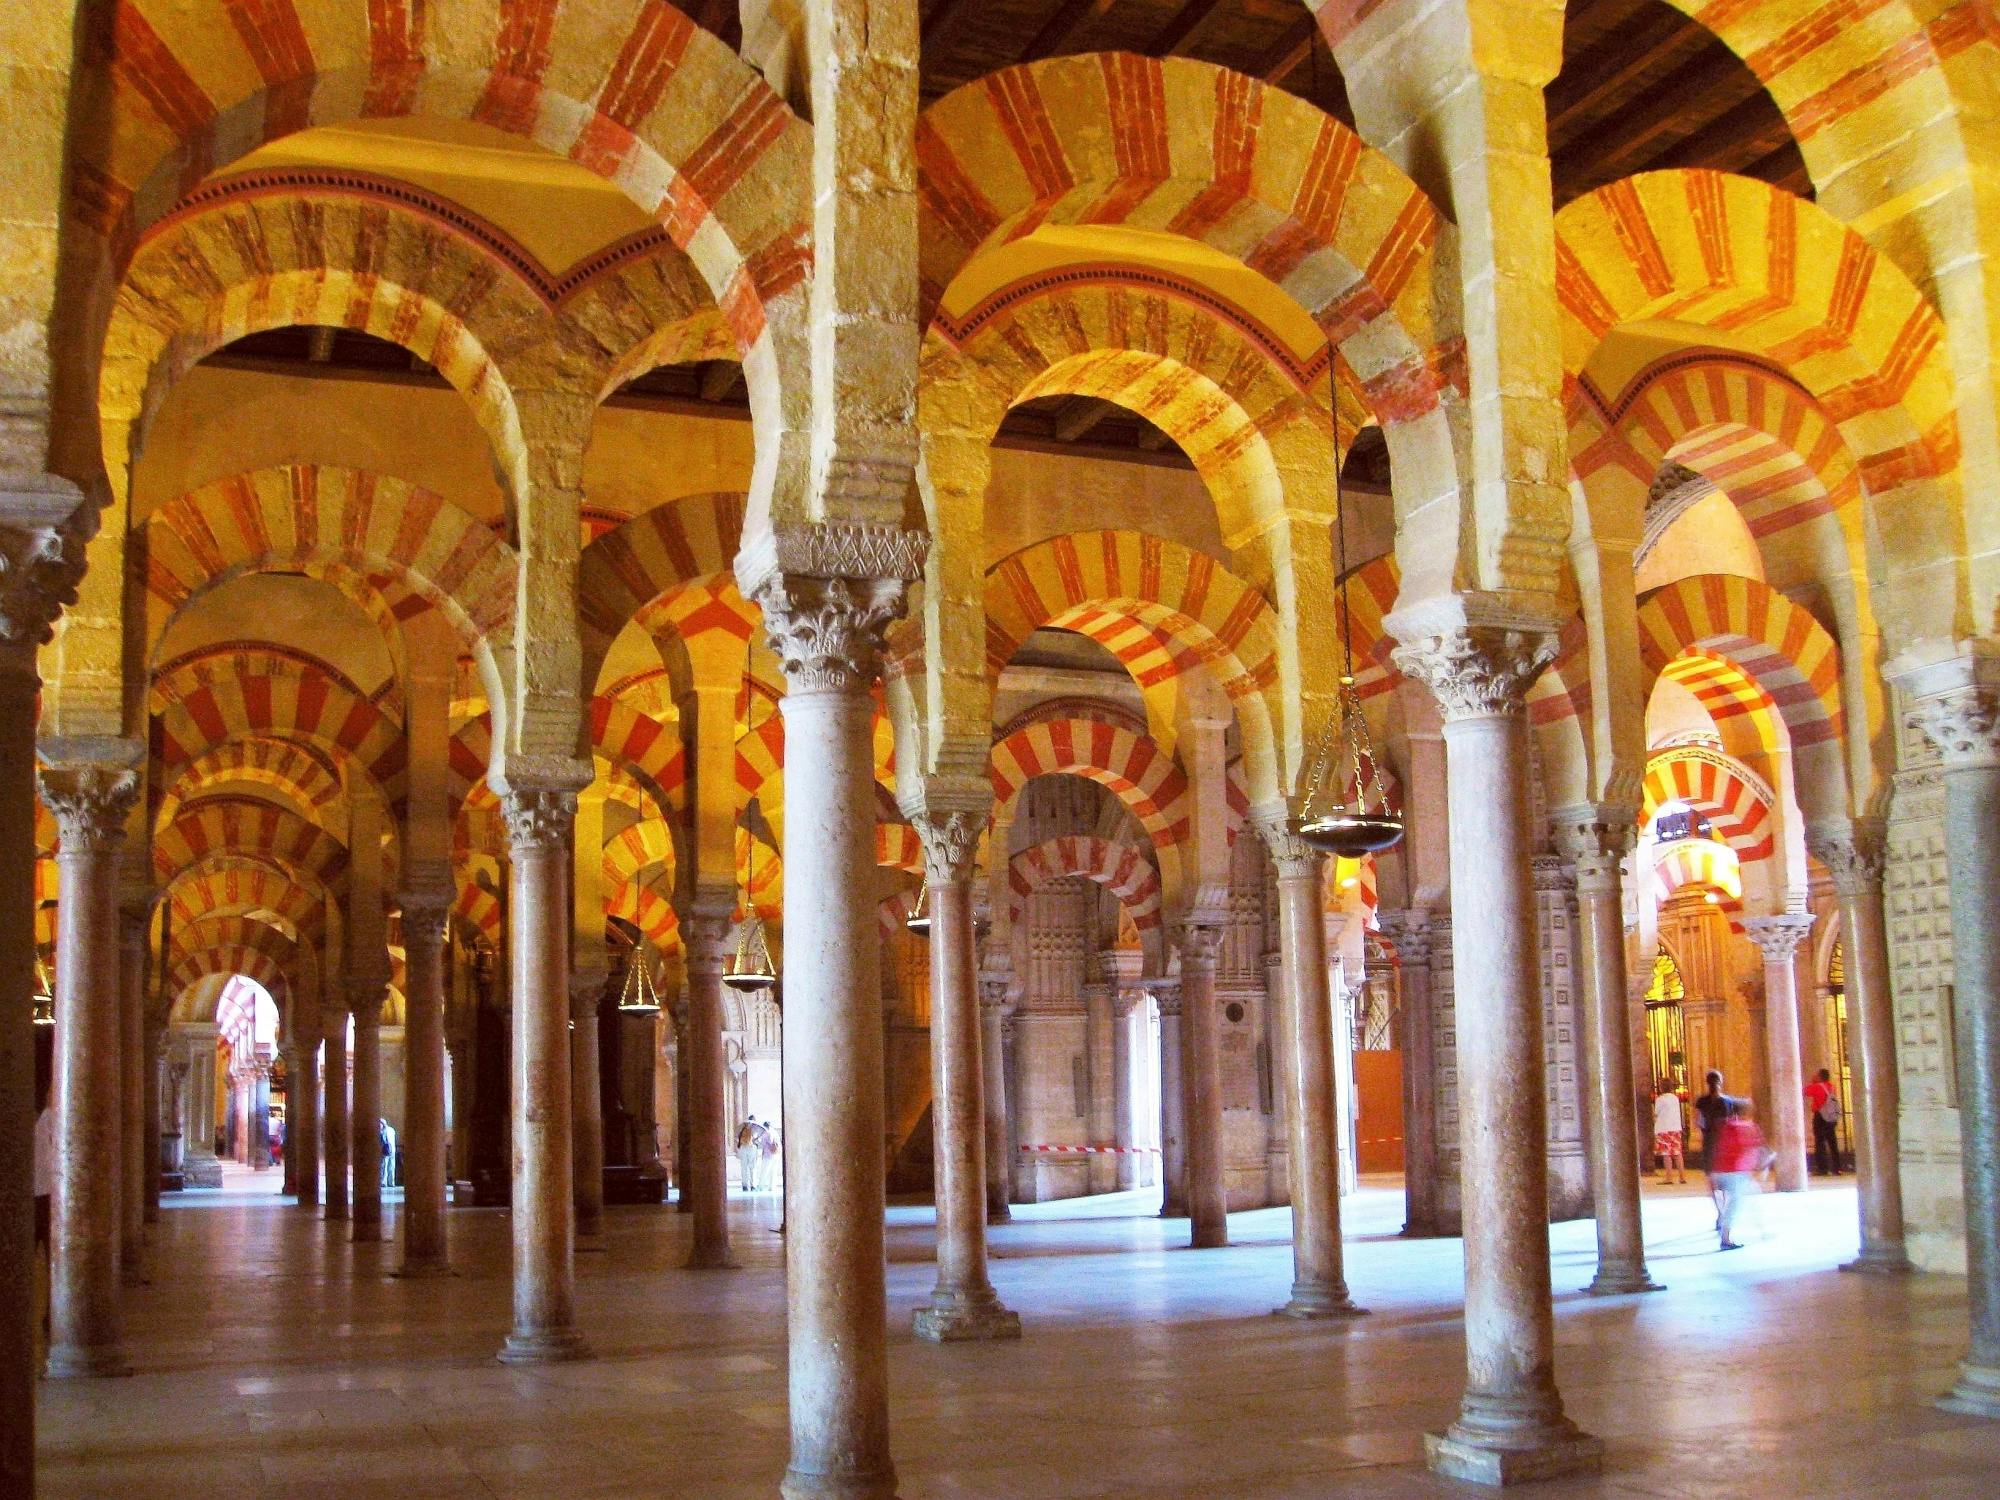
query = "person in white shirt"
x=1669 y=1134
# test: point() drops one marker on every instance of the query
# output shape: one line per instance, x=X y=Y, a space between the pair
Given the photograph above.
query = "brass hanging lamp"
x=1346 y=810
x=638 y=996
x=45 y=999
x=919 y=919
x=750 y=969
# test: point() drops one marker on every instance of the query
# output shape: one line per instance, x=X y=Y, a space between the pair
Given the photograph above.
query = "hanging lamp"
x=638 y=996
x=1346 y=810
x=750 y=968
x=919 y=919
x=45 y=1000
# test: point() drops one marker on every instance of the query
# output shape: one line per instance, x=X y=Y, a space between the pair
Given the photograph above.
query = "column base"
x=798 y=1485
x=1977 y=1393
x=554 y=1346
x=1479 y=1461
x=87 y=1364
x=202 y=1171
x=423 y=1270
x=1621 y=1282
x=336 y=1213
x=700 y=1259
x=590 y=1242
x=1310 y=1301
x=1208 y=1236
x=1000 y=1215
x=951 y=1319
x=1889 y=1261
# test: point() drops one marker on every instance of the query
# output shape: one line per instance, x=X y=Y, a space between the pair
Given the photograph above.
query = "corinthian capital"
x=90 y=802
x=1199 y=943
x=829 y=633
x=1964 y=724
x=1294 y=858
x=424 y=910
x=705 y=938
x=1779 y=937
x=951 y=841
x=1478 y=671
x=41 y=565
x=1854 y=853
x=539 y=819
x=1596 y=837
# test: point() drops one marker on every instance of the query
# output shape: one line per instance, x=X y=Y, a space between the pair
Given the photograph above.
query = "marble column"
x=1597 y=839
x=1778 y=938
x=539 y=821
x=586 y=1102
x=19 y=1259
x=1124 y=1119
x=197 y=1041
x=132 y=917
x=335 y=1135
x=424 y=909
x=1510 y=1425
x=90 y=803
x=705 y=935
x=1409 y=931
x=1855 y=854
x=302 y=1126
x=157 y=1106
x=1319 y=1280
x=993 y=1004
x=1964 y=723
x=288 y=1160
x=828 y=635
x=365 y=1118
x=963 y=1304
x=1173 y=1103
x=1100 y=1007
x=1201 y=1085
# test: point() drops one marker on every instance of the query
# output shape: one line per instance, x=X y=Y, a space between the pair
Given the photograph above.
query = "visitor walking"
x=1739 y=1155
x=1668 y=1134
x=749 y=1151
x=1713 y=1109
x=1823 y=1104
x=767 y=1168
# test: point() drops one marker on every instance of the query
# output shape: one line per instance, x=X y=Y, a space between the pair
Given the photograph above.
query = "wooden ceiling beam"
x=1748 y=132
x=1184 y=28
x=1718 y=82
x=1612 y=67
x=1293 y=52
x=941 y=22
x=1078 y=418
x=720 y=380
x=1070 y=18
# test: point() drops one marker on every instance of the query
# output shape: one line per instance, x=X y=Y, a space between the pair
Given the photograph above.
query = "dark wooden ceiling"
x=1642 y=87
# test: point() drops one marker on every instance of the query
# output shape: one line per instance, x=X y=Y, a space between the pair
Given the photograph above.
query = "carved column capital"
x=996 y=992
x=586 y=993
x=1479 y=671
x=1292 y=856
x=1855 y=854
x=90 y=801
x=951 y=843
x=1964 y=723
x=1779 y=937
x=540 y=819
x=1166 y=994
x=1408 y=930
x=40 y=568
x=1199 y=943
x=424 y=912
x=829 y=633
x=1596 y=837
x=705 y=939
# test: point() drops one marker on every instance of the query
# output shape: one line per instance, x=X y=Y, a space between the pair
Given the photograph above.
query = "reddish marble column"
x=706 y=937
x=1173 y=1102
x=963 y=1304
x=1598 y=839
x=1785 y=1124
x=1201 y=1086
x=993 y=1005
x=365 y=1120
x=302 y=1101
x=586 y=996
x=1408 y=930
x=334 y=1133
x=539 y=820
x=1510 y=1425
x=425 y=1251
x=86 y=1335
x=132 y=1089
x=1854 y=855
x=828 y=634
x=19 y=1258
x=1319 y=1279
x=156 y=1107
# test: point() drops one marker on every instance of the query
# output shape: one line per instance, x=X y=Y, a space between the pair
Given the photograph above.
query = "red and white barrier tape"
x=1093 y=1150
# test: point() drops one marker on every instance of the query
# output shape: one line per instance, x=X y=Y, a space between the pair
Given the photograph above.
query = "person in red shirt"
x=1739 y=1156
x=1823 y=1104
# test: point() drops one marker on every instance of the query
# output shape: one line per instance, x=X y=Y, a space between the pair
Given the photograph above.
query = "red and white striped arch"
x=1737 y=803
x=1131 y=766
x=1123 y=869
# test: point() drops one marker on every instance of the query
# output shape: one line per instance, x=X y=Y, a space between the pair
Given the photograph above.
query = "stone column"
x=1124 y=1121
x=302 y=1129
x=705 y=935
x=1854 y=854
x=1100 y=1005
x=334 y=1114
x=157 y=1106
x=993 y=1005
x=425 y=1252
x=288 y=1163
x=586 y=1099
x=828 y=634
x=1409 y=930
x=963 y=1304
x=1597 y=839
x=1173 y=1103
x=90 y=803
x=365 y=1119
x=1964 y=722
x=132 y=917
x=1319 y=1281
x=1201 y=1085
x=539 y=820
x=1511 y=1425
x=19 y=1260
x=1779 y=938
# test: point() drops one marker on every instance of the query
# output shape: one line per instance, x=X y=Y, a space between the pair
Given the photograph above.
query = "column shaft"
x=334 y=1134
x=155 y=1106
x=424 y=1249
x=963 y=1304
x=1785 y=1128
x=132 y=1093
x=18 y=1256
x=365 y=1120
x=586 y=1109
x=538 y=824
x=1124 y=1122
x=302 y=1129
x=707 y=1184
x=1173 y=1108
x=993 y=1065
x=1201 y=1088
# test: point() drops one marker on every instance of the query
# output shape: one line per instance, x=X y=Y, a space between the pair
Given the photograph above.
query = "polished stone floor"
x=276 y=1360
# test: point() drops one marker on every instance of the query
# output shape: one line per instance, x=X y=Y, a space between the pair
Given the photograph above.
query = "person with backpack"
x=1823 y=1104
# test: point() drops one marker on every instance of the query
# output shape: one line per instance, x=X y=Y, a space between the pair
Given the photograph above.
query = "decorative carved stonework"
x=1291 y=856
x=90 y=803
x=1482 y=671
x=951 y=841
x=539 y=819
x=1409 y=931
x=705 y=940
x=829 y=633
x=424 y=913
x=1779 y=937
x=1198 y=943
x=1167 y=994
x=1855 y=854
x=1595 y=838
x=39 y=572
x=1964 y=724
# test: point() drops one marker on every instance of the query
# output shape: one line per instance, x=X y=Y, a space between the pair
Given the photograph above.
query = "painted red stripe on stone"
x=1024 y=119
x=142 y=61
x=395 y=55
x=649 y=58
x=276 y=41
x=730 y=151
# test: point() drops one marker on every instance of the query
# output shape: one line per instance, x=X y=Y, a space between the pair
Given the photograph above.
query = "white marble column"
x=365 y=1116
x=132 y=915
x=828 y=635
x=1410 y=933
x=1124 y=1120
x=1173 y=1102
x=963 y=1304
x=1964 y=722
x=1201 y=1085
x=1319 y=1279
x=1597 y=839
x=993 y=1007
x=705 y=937
x=86 y=1335
x=1510 y=1425
x=539 y=820
x=1855 y=854
x=1778 y=938
x=424 y=910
